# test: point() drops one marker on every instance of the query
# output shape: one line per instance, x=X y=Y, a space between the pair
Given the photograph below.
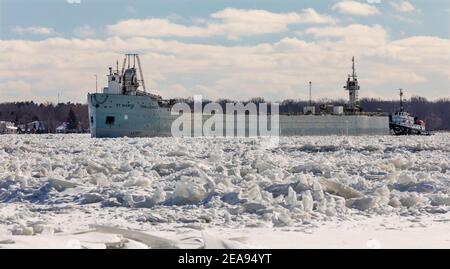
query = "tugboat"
x=402 y=123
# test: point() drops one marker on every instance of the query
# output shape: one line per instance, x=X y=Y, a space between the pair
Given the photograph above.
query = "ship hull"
x=399 y=129
x=114 y=115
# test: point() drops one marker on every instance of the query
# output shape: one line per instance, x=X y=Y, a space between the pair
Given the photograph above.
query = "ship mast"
x=353 y=67
x=401 y=100
x=352 y=87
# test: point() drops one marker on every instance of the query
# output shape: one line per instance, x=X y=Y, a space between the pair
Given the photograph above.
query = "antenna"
x=123 y=66
x=353 y=67
x=58 y=98
x=310 y=93
x=96 y=83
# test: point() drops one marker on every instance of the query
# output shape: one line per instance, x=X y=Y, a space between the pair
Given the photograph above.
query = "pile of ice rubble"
x=239 y=182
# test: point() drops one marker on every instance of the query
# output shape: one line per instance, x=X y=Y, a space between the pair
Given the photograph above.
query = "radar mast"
x=353 y=87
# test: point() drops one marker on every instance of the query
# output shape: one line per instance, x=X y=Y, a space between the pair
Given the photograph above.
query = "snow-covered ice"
x=72 y=191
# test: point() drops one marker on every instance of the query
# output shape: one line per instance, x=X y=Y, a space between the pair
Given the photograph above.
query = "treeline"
x=435 y=113
x=50 y=114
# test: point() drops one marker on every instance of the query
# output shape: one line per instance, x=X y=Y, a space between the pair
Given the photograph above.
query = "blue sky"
x=231 y=49
x=432 y=17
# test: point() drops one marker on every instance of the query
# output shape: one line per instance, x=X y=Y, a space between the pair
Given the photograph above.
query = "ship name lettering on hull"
x=130 y=106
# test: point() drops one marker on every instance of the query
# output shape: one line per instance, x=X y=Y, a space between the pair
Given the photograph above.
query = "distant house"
x=36 y=127
x=21 y=128
x=62 y=129
x=7 y=127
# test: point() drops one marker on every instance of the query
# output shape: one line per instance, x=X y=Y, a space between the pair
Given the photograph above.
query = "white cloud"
x=237 y=22
x=84 y=31
x=240 y=16
x=355 y=34
x=274 y=71
x=33 y=30
x=229 y=22
x=402 y=6
x=355 y=8
x=154 y=28
x=73 y=1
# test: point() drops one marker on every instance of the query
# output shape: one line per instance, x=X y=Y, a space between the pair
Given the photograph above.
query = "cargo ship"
x=126 y=109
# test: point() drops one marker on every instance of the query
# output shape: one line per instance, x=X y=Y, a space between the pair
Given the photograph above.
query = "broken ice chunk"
x=291 y=198
x=90 y=198
x=410 y=199
x=190 y=190
x=307 y=201
x=395 y=202
x=339 y=189
x=364 y=203
x=61 y=185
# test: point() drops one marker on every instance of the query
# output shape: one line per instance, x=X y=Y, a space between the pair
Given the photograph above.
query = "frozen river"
x=236 y=192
